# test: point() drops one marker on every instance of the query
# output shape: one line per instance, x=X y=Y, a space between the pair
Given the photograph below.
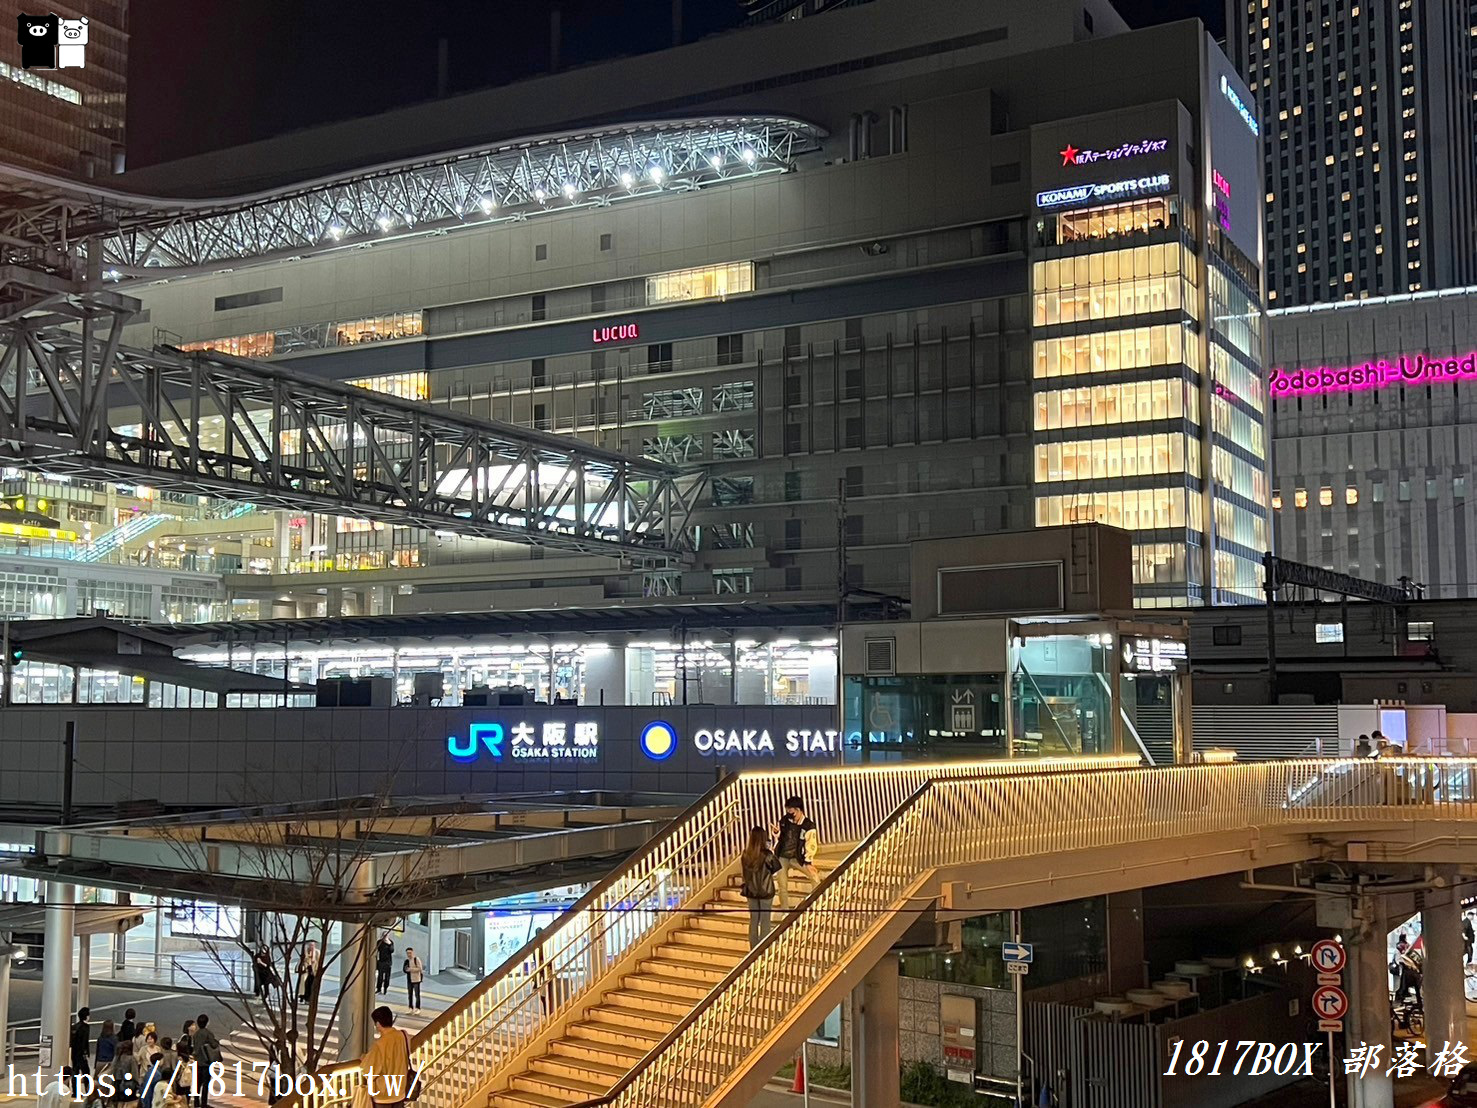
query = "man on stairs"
x=797 y=844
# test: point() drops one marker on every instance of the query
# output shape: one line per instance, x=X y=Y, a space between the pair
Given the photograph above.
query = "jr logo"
x=489 y=735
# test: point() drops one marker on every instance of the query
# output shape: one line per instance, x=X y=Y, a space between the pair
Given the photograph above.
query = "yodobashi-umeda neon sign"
x=620 y=332
x=1073 y=196
x=1407 y=369
x=1240 y=105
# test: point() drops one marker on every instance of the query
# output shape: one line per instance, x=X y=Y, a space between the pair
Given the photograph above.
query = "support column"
x=357 y=956
x=875 y=1037
x=1369 y=1003
x=158 y=933
x=5 y=961
x=433 y=942
x=84 y=970
x=356 y=983
x=56 y=971
x=1442 y=994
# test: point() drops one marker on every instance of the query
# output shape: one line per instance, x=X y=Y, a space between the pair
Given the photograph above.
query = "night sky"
x=207 y=75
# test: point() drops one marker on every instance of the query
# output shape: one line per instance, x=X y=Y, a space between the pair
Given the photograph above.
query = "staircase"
x=635 y=960
x=603 y=1041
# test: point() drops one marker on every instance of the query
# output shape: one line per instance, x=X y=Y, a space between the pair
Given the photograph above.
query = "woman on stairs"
x=759 y=864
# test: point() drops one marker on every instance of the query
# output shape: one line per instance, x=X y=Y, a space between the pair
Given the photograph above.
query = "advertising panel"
x=1236 y=174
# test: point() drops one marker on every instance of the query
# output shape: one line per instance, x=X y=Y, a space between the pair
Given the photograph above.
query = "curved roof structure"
x=513 y=180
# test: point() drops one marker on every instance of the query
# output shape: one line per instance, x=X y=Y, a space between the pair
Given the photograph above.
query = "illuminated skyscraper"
x=67 y=121
x=1367 y=114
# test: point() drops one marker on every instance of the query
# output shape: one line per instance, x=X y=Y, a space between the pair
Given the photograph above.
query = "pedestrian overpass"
x=644 y=995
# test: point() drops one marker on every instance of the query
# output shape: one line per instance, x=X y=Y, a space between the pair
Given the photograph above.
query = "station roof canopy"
x=361 y=857
x=753 y=613
x=98 y=643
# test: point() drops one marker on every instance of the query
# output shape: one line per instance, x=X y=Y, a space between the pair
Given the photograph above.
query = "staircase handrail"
x=971 y=819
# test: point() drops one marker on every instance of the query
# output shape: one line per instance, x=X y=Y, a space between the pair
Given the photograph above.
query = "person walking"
x=1362 y=748
x=266 y=976
x=107 y=1050
x=127 y=1029
x=414 y=970
x=144 y=1040
x=1467 y=940
x=797 y=841
x=759 y=864
x=186 y=1037
x=384 y=961
x=126 y=1073
x=308 y=970
x=152 y=1072
x=81 y=1042
x=207 y=1053
x=386 y=1065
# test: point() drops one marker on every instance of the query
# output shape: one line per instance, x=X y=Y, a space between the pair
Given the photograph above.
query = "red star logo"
x=1069 y=155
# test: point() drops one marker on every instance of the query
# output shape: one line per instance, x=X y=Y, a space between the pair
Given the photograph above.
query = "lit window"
x=1328 y=632
x=1325 y=496
x=1351 y=495
x=1277 y=501
x=700 y=284
x=1420 y=630
x=1300 y=498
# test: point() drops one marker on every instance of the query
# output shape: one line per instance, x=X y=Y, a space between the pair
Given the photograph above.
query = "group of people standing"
x=791 y=843
x=413 y=968
x=310 y=971
x=155 y=1070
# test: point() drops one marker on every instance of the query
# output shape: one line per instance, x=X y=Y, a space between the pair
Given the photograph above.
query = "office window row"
x=1131 y=509
x=1087 y=270
x=1140 y=296
x=1237 y=525
x=1101 y=405
x=1111 y=351
x=1128 y=456
x=1245 y=430
x=1239 y=475
x=1114 y=220
x=1379 y=492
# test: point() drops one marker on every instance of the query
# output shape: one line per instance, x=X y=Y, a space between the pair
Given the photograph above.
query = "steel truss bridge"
x=74 y=400
x=54 y=223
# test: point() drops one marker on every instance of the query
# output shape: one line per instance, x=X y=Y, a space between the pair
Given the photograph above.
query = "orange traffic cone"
x=798 y=1086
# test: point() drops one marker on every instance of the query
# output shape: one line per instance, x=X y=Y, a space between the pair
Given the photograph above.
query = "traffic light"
x=16 y=654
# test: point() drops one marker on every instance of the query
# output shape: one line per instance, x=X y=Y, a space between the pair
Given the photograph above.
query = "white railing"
x=972 y=820
x=461 y=1049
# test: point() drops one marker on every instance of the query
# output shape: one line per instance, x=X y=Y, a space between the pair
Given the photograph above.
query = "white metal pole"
x=1020 y=1044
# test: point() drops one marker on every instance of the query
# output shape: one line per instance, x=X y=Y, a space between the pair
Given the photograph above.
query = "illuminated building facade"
x=1374 y=411
x=1147 y=331
x=67 y=121
x=1367 y=115
x=927 y=315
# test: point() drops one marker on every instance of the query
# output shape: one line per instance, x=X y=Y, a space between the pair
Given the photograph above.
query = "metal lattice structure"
x=219 y=426
x=43 y=219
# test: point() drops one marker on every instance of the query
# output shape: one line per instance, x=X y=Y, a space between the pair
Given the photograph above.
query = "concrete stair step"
x=573 y=1089
x=625 y=1015
x=600 y=1028
x=591 y=1069
x=522 y=1098
x=651 y=1000
x=690 y=970
x=621 y=1056
x=713 y=941
x=686 y=988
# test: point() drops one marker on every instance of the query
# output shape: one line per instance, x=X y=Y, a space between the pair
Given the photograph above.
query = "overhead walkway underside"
x=74 y=400
x=645 y=993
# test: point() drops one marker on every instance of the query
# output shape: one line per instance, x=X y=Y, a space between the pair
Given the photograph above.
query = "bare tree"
x=303 y=869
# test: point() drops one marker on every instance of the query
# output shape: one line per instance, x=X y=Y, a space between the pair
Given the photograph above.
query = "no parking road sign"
x=1328 y=957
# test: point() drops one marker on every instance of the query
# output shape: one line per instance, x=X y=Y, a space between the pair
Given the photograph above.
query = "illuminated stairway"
x=614 y=1033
